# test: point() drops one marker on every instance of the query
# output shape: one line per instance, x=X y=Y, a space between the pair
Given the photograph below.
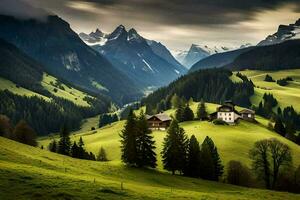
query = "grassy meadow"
x=233 y=142
x=286 y=95
x=32 y=173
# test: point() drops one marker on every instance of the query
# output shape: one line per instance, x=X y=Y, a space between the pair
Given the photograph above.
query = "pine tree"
x=188 y=114
x=74 y=150
x=64 y=144
x=128 y=140
x=279 y=127
x=102 y=155
x=81 y=150
x=179 y=114
x=218 y=167
x=207 y=169
x=53 y=146
x=174 y=148
x=175 y=101
x=145 y=144
x=24 y=133
x=193 y=163
x=201 y=111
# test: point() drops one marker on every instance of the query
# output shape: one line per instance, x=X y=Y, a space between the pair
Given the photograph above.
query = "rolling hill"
x=286 y=95
x=31 y=173
x=233 y=142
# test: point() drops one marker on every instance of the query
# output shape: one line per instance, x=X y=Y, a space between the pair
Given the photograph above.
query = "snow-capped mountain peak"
x=284 y=32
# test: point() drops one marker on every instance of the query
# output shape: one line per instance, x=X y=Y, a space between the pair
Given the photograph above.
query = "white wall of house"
x=228 y=117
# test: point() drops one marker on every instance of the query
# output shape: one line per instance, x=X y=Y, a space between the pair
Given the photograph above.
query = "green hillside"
x=49 y=83
x=233 y=142
x=31 y=173
x=286 y=95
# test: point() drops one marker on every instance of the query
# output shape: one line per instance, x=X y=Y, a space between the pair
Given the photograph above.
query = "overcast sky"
x=175 y=23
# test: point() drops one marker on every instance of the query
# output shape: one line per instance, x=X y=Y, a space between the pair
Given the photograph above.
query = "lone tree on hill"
x=179 y=114
x=145 y=144
x=53 y=146
x=217 y=163
x=268 y=157
x=24 y=133
x=188 y=114
x=128 y=141
x=201 y=111
x=193 y=162
x=174 y=148
x=207 y=169
x=102 y=155
x=64 y=144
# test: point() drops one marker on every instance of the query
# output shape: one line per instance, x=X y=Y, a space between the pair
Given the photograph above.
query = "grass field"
x=31 y=173
x=9 y=85
x=286 y=95
x=69 y=93
x=233 y=142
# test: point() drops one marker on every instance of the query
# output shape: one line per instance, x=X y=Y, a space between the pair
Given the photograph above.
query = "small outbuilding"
x=248 y=115
x=159 y=121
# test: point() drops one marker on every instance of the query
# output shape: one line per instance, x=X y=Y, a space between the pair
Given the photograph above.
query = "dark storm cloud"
x=191 y=12
x=21 y=9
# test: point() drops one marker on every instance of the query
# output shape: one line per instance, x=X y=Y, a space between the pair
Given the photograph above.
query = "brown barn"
x=159 y=121
x=248 y=115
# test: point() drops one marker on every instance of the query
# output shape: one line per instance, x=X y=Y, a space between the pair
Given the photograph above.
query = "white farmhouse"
x=227 y=113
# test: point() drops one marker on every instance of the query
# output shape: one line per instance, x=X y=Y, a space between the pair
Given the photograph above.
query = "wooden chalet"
x=229 y=114
x=159 y=121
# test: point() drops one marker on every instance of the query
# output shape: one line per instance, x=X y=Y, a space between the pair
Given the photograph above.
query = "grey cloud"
x=21 y=9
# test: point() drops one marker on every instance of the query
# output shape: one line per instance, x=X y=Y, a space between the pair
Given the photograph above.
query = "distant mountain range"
x=260 y=56
x=147 y=62
x=55 y=45
x=284 y=33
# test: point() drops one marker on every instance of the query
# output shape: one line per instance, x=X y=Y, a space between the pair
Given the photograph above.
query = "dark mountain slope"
x=218 y=60
x=212 y=85
x=131 y=53
x=19 y=68
x=285 y=55
x=54 y=44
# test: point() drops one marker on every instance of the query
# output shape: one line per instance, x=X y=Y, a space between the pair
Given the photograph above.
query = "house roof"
x=247 y=111
x=161 y=116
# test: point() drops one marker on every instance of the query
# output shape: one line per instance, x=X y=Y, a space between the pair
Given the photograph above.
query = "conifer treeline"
x=47 y=116
x=213 y=85
x=137 y=144
x=65 y=147
x=286 y=121
x=179 y=153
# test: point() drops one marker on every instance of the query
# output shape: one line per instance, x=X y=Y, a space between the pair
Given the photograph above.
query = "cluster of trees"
x=22 y=132
x=137 y=144
x=284 y=81
x=179 y=153
x=269 y=78
x=46 y=116
x=266 y=106
x=65 y=147
x=107 y=118
x=189 y=158
x=286 y=121
x=185 y=113
x=211 y=85
x=281 y=82
x=272 y=163
x=271 y=168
